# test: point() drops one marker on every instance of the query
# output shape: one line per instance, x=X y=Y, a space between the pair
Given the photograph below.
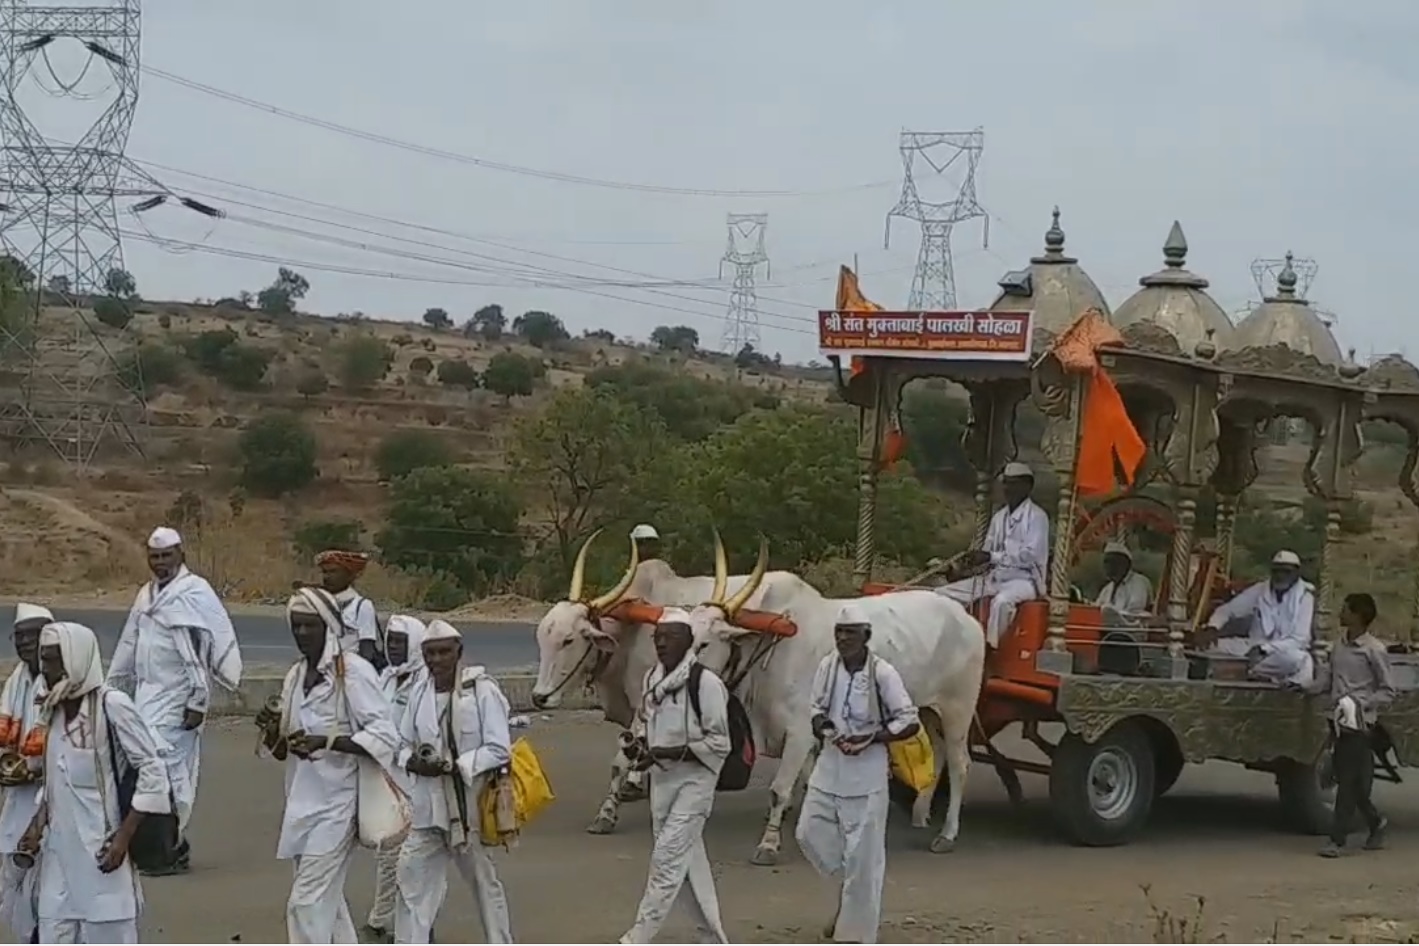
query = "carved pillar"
x=1059 y=563
x=1226 y=531
x=869 y=445
x=1326 y=625
x=1059 y=400
x=989 y=443
x=1327 y=473
x=983 y=510
x=1179 y=620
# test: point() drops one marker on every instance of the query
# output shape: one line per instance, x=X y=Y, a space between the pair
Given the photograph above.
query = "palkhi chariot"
x=1138 y=703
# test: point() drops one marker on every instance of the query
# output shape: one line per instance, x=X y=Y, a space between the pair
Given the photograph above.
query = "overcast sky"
x=1263 y=126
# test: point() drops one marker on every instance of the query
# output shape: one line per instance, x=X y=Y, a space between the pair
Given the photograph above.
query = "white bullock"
x=604 y=643
x=935 y=644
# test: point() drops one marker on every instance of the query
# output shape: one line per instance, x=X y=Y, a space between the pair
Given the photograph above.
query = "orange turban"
x=352 y=562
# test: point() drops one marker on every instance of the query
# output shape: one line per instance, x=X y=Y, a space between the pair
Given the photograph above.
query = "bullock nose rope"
x=594 y=606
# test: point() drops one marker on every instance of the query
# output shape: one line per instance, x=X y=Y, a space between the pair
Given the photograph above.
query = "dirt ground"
x=1010 y=880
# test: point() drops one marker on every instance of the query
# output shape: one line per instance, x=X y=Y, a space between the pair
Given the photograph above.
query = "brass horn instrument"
x=14 y=769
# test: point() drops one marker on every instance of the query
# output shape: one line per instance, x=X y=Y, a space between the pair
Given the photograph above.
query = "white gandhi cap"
x=31 y=612
x=674 y=616
x=853 y=614
x=1286 y=557
x=1015 y=469
x=164 y=538
x=1118 y=548
x=644 y=531
x=439 y=630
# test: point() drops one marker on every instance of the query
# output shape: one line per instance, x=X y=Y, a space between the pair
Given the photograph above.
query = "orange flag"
x=1108 y=441
x=851 y=299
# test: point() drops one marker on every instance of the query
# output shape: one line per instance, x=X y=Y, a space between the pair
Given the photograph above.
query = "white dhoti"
x=423 y=885
x=845 y=837
x=386 y=890
x=84 y=931
x=1286 y=662
x=681 y=799
x=182 y=757
x=317 y=911
x=1008 y=596
x=19 y=899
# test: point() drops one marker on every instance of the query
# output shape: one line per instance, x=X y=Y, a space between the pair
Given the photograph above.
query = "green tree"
x=934 y=420
x=150 y=366
x=678 y=338
x=453 y=520
x=512 y=375
x=113 y=311
x=121 y=284
x=219 y=354
x=584 y=460
x=364 y=361
x=60 y=284
x=437 y=318
x=312 y=538
x=312 y=383
x=457 y=373
x=540 y=328
x=488 y=322
x=281 y=296
x=278 y=454
x=14 y=271
x=404 y=451
x=691 y=408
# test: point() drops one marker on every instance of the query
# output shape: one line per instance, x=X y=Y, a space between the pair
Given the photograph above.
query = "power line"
x=486 y=163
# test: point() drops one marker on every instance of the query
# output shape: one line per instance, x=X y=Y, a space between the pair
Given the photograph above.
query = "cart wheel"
x=1307 y=793
x=1101 y=794
x=1168 y=768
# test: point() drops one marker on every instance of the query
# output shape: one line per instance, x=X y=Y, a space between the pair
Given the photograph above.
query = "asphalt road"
x=266 y=640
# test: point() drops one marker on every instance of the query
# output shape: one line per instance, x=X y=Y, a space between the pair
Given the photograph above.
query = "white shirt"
x=1133 y=595
x=1018 y=543
x=83 y=808
x=1284 y=622
x=20 y=802
x=358 y=619
x=672 y=722
x=482 y=734
x=858 y=705
x=322 y=791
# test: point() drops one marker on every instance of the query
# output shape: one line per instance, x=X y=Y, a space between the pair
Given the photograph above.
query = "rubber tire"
x=1069 y=786
x=1167 y=769
x=1304 y=807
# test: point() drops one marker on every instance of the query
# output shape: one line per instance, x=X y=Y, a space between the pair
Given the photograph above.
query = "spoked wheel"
x=1102 y=793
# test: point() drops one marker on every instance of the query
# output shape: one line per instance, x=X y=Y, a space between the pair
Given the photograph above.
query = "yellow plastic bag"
x=522 y=792
x=913 y=763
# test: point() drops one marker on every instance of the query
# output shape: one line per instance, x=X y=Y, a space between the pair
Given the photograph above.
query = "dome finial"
x=1286 y=279
x=1054 y=236
x=1175 y=247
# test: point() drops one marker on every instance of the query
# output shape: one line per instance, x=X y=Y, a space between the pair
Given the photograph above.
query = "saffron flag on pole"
x=851 y=299
x=1109 y=443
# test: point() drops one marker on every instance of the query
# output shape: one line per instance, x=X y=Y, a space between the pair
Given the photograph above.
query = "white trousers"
x=681 y=799
x=84 y=931
x=386 y=890
x=1288 y=662
x=182 y=765
x=19 y=898
x=423 y=884
x=1008 y=596
x=845 y=837
x=317 y=911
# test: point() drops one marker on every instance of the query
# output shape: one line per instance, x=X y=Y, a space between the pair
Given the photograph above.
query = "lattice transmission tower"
x=954 y=155
x=59 y=230
x=746 y=252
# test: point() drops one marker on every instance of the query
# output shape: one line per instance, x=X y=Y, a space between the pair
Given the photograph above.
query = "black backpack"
x=734 y=776
x=156 y=842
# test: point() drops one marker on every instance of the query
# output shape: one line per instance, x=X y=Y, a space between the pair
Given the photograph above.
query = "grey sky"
x=1263 y=126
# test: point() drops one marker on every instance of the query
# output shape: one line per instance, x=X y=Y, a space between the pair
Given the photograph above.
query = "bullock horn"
x=579 y=568
x=622 y=586
x=756 y=578
x=721 y=570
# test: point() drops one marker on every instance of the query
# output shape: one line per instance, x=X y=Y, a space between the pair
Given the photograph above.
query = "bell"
x=272 y=705
x=14 y=769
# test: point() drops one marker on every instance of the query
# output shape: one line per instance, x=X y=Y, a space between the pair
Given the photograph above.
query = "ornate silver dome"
x=1287 y=319
x=1175 y=301
x=1054 y=287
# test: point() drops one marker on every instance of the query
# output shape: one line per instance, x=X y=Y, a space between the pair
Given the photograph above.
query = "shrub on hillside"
x=462 y=522
x=692 y=408
x=404 y=451
x=278 y=453
x=420 y=366
x=541 y=329
x=113 y=312
x=312 y=383
x=218 y=353
x=512 y=375
x=456 y=373
x=312 y=538
x=364 y=361
x=149 y=366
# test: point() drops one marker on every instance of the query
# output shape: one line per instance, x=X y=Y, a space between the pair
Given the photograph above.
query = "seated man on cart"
x=1010 y=567
x=1128 y=592
x=1271 y=625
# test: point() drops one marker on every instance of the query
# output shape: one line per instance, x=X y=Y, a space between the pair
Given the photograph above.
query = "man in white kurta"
x=88 y=890
x=403 y=641
x=1275 y=617
x=177 y=641
x=1013 y=558
x=454 y=735
x=647 y=540
x=21 y=737
x=683 y=752
x=1127 y=591
x=333 y=713
x=359 y=623
x=859 y=705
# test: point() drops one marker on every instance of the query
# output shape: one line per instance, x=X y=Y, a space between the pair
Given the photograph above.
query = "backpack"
x=157 y=841
x=739 y=765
